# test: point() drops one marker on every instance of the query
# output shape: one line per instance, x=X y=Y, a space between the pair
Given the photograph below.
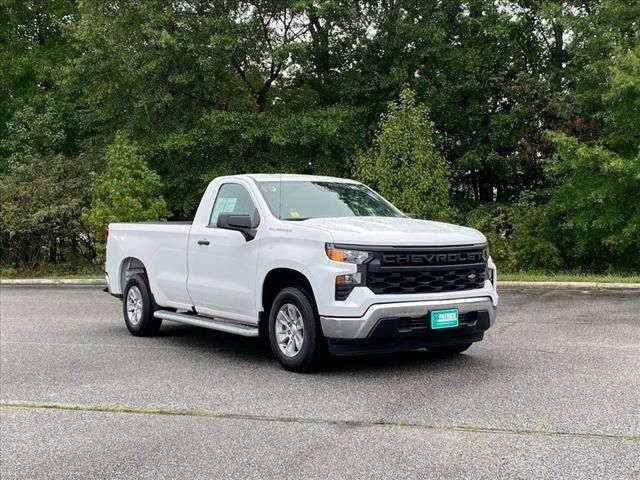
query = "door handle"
x=203 y=242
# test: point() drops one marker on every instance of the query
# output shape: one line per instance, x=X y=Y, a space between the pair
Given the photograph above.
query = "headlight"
x=488 y=273
x=346 y=255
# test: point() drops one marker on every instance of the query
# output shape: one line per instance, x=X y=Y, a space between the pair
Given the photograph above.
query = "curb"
x=53 y=281
x=501 y=284
x=570 y=285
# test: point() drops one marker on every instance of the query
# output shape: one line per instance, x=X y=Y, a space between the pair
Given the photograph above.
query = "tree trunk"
x=486 y=184
x=53 y=251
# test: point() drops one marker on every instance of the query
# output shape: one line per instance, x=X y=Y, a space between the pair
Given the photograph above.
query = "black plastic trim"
x=342 y=348
x=394 y=334
x=409 y=248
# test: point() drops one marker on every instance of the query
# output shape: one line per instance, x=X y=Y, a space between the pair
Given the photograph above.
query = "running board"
x=206 y=322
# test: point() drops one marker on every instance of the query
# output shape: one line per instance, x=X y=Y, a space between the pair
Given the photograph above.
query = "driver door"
x=222 y=263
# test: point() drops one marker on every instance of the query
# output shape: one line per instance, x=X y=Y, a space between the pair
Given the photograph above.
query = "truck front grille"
x=427 y=270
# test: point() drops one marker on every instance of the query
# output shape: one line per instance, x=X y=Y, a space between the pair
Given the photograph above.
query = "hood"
x=395 y=231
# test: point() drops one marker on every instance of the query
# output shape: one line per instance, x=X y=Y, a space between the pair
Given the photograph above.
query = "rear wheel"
x=138 y=307
x=295 y=335
x=449 y=349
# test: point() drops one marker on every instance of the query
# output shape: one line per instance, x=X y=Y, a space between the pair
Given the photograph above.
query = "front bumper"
x=361 y=328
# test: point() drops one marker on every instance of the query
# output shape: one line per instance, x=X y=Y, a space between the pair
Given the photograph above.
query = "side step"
x=206 y=322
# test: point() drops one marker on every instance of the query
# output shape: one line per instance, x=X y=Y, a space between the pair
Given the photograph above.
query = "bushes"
x=127 y=191
x=589 y=221
x=521 y=236
x=496 y=222
x=54 y=208
x=40 y=212
x=596 y=204
x=535 y=238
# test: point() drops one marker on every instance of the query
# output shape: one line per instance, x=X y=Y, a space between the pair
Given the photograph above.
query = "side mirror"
x=243 y=223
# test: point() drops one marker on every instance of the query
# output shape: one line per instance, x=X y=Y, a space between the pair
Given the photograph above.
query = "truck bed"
x=160 y=246
x=157 y=222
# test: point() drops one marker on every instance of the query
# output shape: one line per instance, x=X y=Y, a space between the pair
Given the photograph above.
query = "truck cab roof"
x=289 y=177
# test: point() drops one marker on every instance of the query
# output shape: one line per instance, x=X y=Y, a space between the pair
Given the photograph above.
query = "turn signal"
x=335 y=254
x=346 y=255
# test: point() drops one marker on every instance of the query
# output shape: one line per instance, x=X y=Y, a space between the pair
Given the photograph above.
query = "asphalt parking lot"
x=552 y=392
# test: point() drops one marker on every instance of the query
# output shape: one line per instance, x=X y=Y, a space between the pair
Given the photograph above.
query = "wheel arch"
x=276 y=280
x=129 y=267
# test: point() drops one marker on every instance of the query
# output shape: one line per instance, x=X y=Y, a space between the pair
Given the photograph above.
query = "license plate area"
x=444 y=318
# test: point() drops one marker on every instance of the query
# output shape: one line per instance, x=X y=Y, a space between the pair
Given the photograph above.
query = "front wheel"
x=138 y=307
x=294 y=330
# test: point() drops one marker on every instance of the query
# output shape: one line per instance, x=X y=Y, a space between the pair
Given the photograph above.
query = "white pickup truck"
x=315 y=264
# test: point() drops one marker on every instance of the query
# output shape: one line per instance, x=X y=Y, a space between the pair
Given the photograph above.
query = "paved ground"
x=553 y=392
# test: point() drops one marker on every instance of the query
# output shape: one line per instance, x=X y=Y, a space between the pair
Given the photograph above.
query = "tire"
x=138 y=307
x=450 y=349
x=297 y=349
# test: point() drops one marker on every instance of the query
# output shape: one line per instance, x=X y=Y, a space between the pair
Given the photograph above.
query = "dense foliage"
x=519 y=117
x=404 y=164
x=126 y=191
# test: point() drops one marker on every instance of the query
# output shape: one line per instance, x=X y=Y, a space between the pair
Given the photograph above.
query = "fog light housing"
x=346 y=283
x=349 y=279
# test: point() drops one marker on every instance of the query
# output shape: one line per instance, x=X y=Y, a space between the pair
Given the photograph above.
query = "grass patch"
x=569 y=277
x=62 y=272
x=466 y=428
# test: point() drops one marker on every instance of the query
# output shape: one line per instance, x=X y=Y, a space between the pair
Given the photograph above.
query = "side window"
x=231 y=198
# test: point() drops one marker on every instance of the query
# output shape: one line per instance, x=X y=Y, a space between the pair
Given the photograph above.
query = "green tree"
x=127 y=191
x=40 y=211
x=597 y=199
x=404 y=164
x=622 y=102
x=589 y=218
x=34 y=113
x=203 y=88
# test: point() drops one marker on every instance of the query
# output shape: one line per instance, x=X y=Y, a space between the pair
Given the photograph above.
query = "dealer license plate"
x=444 y=318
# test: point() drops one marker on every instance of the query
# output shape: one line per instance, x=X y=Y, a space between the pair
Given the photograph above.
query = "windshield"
x=300 y=200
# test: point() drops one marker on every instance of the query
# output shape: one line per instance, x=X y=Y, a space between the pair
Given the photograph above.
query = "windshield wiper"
x=296 y=219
